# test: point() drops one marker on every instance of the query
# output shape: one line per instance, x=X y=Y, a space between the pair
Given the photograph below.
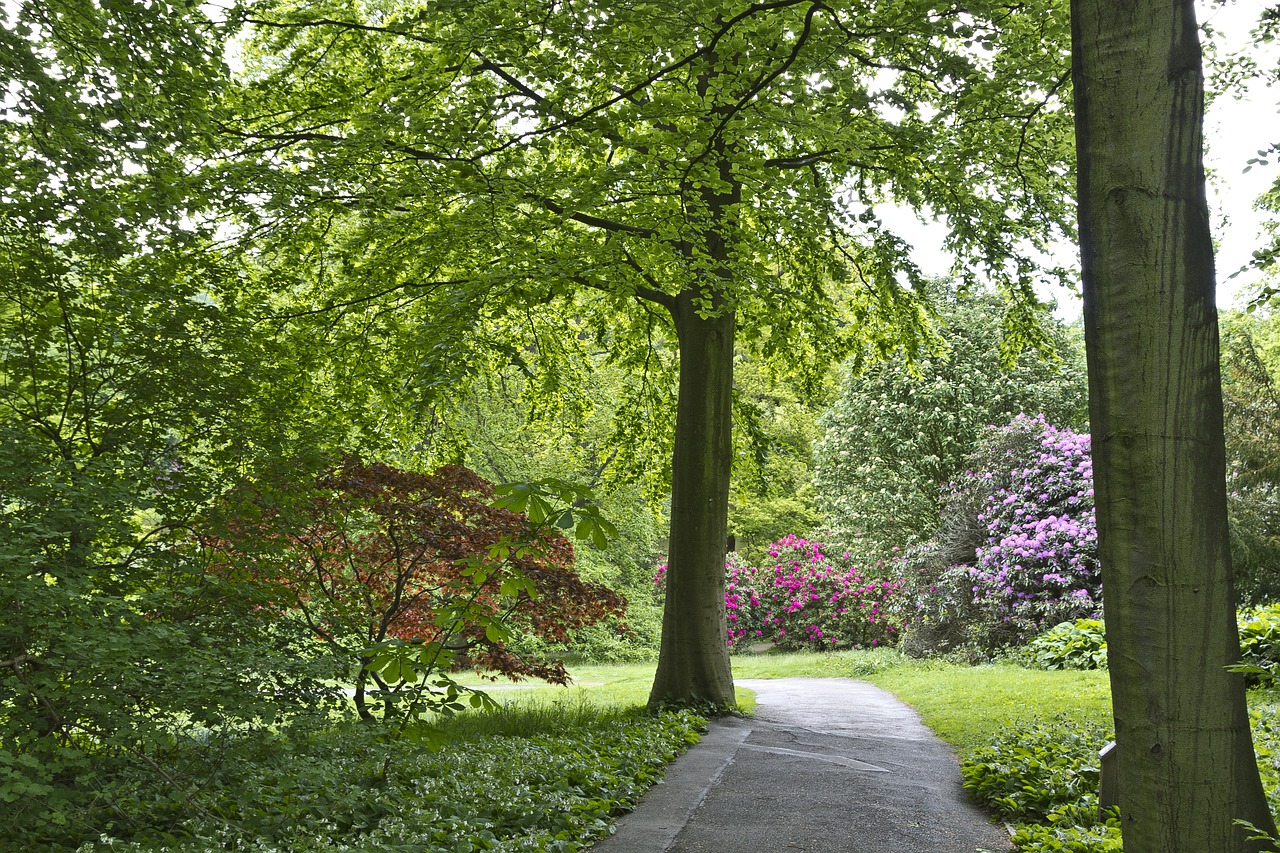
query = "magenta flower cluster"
x=804 y=600
x=1039 y=563
x=808 y=599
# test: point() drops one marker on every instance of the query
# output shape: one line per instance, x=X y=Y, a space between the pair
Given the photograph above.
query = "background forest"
x=337 y=359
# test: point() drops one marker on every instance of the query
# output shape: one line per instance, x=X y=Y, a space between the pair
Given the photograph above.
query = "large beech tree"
x=1186 y=762
x=464 y=184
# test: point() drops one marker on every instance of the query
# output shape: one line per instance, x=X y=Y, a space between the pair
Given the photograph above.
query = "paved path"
x=826 y=765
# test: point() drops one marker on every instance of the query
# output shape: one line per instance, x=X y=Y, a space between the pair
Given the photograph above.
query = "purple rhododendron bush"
x=803 y=598
x=1016 y=551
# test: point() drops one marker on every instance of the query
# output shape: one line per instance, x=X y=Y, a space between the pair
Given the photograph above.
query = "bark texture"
x=1186 y=763
x=693 y=664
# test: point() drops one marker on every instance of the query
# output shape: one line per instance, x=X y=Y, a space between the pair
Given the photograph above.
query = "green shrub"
x=1081 y=644
x=1071 y=829
x=1266 y=744
x=1260 y=644
x=1027 y=773
x=940 y=618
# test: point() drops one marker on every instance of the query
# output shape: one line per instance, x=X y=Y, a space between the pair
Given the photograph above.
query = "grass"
x=964 y=705
x=553 y=764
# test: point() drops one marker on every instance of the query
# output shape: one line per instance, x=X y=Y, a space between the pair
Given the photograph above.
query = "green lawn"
x=964 y=705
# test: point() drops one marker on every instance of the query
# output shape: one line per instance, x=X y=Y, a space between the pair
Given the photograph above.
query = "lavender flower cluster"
x=1039 y=563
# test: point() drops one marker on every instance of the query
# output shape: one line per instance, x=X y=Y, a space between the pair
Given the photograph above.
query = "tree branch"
x=499 y=70
x=331 y=22
x=372 y=297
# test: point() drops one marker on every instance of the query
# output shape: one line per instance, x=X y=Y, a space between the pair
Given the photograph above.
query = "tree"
x=899 y=432
x=775 y=425
x=497 y=181
x=369 y=556
x=1251 y=406
x=128 y=395
x=1186 y=763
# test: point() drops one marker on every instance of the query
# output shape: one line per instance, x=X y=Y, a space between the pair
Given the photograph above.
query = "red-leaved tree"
x=410 y=575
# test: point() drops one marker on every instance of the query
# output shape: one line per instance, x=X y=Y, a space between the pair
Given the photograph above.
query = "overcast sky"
x=1236 y=128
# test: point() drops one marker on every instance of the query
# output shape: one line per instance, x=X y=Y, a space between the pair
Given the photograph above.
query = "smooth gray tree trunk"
x=1186 y=763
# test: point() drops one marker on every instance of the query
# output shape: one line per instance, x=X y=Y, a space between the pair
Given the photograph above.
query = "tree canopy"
x=484 y=185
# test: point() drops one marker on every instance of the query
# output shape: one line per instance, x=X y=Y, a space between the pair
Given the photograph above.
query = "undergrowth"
x=522 y=779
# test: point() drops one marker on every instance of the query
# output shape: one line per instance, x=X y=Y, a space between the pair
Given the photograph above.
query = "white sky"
x=1235 y=131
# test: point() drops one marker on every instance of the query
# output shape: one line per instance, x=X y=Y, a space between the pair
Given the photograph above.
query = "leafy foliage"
x=1081 y=644
x=1251 y=405
x=504 y=429
x=482 y=186
x=901 y=430
x=1265 y=718
x=547 y=786
x=408 y=575
x=1260 y=644
x=1071 y=829
x=129 y=395
x=1026 y=773
x=773 y=489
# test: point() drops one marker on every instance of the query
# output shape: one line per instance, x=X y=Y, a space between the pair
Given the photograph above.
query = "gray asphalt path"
x=826 y=765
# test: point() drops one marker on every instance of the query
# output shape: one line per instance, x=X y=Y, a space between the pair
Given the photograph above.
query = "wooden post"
x=1108 y=787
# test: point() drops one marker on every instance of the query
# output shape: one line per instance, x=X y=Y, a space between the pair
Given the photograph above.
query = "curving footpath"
x=826 y=765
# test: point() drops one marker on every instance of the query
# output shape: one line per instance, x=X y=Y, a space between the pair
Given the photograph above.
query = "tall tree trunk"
x=1186 y=761
x=693 y=664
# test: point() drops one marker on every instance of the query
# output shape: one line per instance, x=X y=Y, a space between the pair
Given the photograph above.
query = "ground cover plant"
x=1028 y=742
x=528 y=778
x=1081 y=644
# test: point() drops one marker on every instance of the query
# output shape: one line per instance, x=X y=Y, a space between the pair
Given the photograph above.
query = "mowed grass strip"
x=966 y=706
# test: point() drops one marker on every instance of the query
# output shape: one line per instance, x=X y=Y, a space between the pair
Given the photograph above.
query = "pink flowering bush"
x=1039 y=563
x=1016 y=552
x=810 y=600
x=805 y=600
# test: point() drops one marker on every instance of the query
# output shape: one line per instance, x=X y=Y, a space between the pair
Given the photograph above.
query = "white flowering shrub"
x=897 y=433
